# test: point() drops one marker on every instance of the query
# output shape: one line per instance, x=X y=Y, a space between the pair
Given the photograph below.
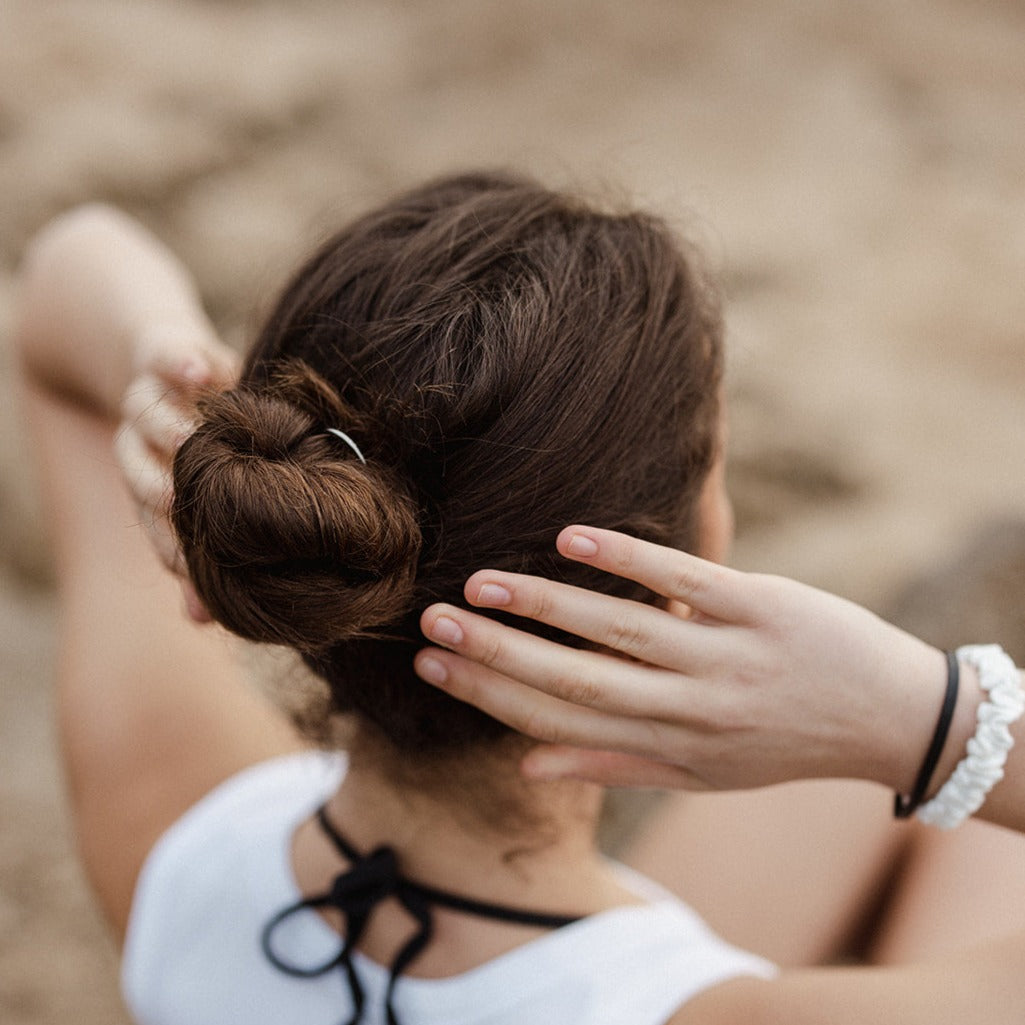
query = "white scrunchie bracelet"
x=983 y=767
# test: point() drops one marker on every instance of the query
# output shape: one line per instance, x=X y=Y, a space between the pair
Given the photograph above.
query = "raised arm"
x=152 y=710
x=742 y=681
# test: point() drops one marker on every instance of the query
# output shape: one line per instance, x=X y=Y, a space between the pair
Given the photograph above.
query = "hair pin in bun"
x=348 y=441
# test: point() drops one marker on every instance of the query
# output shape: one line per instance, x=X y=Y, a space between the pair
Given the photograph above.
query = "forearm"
x=93 y=282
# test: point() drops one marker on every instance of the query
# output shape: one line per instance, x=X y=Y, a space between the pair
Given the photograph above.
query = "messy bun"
x=288 y=537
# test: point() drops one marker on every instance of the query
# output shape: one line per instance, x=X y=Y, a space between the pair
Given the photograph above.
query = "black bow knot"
x=369 y=881
x=355 y=893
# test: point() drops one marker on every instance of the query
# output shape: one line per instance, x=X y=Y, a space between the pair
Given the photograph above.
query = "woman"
x=393 y=426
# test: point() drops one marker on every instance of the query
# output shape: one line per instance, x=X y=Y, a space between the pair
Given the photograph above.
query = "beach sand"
x=853 y=171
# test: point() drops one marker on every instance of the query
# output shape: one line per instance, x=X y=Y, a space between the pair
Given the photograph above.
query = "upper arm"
x=153 y=710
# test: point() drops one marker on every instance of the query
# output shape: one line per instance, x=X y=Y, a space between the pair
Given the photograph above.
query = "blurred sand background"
x=854 y=171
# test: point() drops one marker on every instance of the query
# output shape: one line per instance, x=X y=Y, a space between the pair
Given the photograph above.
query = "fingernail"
x=580 y=545
x=493 y=594
x=446 y=631
x=431 y=669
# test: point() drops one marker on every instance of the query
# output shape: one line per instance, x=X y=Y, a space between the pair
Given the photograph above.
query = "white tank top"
x=217 y=876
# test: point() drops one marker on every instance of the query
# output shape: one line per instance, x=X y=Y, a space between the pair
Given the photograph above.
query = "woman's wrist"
x=911 y=681
x=94 y=285
x=962 y=727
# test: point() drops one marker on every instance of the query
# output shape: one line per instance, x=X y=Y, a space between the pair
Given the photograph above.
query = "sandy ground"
x=853 y=170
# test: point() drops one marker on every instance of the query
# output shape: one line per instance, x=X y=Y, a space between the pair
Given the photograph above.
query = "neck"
x=542 y=859
x=540 y=852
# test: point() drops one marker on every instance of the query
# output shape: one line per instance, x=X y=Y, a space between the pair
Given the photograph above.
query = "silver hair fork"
x=348 y=441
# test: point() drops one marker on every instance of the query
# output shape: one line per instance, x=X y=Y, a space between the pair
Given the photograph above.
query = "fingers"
x=144 y=471
x=147 y=481
x=641 y=632
x=583 y=678
x=527 y=710
x=175 y=363
x=706 y=586
x=152 y=430
x=158 y=412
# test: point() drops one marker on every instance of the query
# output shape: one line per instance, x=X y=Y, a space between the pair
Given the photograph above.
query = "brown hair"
x=509 y=360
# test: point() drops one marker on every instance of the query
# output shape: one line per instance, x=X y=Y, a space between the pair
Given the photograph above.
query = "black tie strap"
x=355 y=893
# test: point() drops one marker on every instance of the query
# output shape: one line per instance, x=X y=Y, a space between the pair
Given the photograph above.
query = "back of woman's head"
x=508 y=360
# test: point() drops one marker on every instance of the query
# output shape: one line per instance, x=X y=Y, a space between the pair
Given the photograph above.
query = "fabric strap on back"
x=370 y=879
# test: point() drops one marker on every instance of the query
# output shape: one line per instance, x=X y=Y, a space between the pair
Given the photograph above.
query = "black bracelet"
x=904 y=807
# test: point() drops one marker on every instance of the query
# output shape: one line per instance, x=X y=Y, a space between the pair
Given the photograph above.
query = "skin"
x=660 y=709
x=729 y=697
x=103 y=305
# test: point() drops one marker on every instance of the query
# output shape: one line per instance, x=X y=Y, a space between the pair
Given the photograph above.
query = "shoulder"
x=266 y=798
x=644 y=961
x=289 y=782
x=668 y=929
x=219 y=872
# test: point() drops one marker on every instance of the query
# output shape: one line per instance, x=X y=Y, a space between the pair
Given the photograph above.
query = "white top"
x=214 y=879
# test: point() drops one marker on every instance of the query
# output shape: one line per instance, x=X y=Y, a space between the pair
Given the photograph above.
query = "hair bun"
x=288 y=537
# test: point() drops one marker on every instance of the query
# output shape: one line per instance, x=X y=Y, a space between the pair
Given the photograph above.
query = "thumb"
x=608 y=768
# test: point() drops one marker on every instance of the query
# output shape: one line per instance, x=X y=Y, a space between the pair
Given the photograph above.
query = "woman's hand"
x=174 y=366
x=757 y=681
x=109 y=317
